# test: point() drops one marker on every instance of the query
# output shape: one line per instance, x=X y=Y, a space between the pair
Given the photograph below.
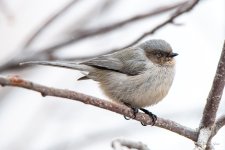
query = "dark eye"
x=158 y=55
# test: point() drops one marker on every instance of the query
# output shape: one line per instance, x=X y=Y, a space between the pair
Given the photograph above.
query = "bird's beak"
x=173 y=55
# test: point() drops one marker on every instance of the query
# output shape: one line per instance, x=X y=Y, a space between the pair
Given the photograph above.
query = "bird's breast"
x=141 y=90
x=154 y=88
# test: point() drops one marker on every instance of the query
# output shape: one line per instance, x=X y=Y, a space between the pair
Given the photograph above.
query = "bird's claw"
x=151 y=115
x=135 y=111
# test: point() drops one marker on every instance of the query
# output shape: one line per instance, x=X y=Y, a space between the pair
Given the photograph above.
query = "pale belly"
x=139 y=91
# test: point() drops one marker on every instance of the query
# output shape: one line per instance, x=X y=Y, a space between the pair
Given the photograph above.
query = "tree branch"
x=83 y=34
x=114 y=107
x=219 y=124
x=206 y=129
x=215 y=94
x=118 y=144
x=181 y=10
x=47 y=53
x=185 y=7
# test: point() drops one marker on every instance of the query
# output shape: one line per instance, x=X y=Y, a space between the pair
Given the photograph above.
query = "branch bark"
x=114 y=107
x=215 y=94
x=206 y=128
x=219 y=124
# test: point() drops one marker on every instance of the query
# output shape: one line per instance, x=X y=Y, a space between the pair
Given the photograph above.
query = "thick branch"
x=120 y=109
x=207 y=129
x=215 y=94
x=203 y=138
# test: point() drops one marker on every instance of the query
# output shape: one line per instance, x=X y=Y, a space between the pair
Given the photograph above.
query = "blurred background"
x=29 y=121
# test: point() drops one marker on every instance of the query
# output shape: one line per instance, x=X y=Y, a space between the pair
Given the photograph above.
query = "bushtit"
x=136 y=76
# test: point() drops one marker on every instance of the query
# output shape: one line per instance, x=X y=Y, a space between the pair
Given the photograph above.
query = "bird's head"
x=159 y=52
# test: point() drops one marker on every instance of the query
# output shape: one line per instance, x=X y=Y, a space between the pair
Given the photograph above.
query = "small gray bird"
x=136 y=76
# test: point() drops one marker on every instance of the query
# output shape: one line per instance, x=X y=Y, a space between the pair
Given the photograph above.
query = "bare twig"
x=15 y=59
x=47 y=53
x=219 y=124
x=83 y=34
x=48 y=22
x=118 y=144
x=181 y=10
x=185 y=7
x=89 y=16
x=120 y=109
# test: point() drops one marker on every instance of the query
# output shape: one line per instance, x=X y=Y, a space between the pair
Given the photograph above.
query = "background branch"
x=83 y=34
x=118 y=144
x=48 y=52
x=180 y=11
x=183 y=8
x=120 y=109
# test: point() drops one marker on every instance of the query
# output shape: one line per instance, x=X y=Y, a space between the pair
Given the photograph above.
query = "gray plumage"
x=139 y=76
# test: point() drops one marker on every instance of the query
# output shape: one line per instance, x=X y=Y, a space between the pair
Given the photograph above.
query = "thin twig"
x=47 y=53
x=118 y=144
x=219 y=124
x=48 y=22
x=93 y=32
x=183 y=9
x=114 y=107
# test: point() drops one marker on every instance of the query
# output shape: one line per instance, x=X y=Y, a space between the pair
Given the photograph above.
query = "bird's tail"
x=68 y=65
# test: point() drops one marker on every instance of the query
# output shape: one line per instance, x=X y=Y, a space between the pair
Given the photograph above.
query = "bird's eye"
x=158 y=55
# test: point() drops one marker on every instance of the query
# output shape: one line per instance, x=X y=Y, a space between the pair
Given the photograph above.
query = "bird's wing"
x=127 y=61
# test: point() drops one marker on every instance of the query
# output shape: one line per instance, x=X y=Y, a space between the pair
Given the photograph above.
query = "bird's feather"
x=129 y=63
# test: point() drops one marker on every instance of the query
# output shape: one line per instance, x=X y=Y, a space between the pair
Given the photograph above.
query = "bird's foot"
x=151 y=115
x=135 y=111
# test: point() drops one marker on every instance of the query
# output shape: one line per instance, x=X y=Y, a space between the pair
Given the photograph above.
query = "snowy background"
x=29 y=121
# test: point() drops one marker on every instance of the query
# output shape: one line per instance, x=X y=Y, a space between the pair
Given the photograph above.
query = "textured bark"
x=208 y=126
x=114 y=107
x=215 y=94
